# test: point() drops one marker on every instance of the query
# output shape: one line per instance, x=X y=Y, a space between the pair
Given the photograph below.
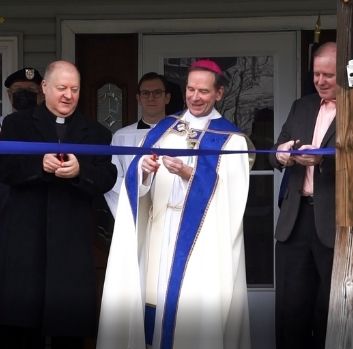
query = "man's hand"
x=149 y=164
x=307 y=159
x=51 y=163
x=285 y=158
x=69 y=168
x=177 y=166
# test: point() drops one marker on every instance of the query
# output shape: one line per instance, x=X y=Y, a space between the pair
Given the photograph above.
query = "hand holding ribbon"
x=307 y=159
x=285 y=157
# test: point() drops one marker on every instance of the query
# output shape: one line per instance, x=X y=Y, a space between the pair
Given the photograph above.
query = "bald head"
x=324 y=69
x=61 y=87
x=58 y=66
x=327 y=49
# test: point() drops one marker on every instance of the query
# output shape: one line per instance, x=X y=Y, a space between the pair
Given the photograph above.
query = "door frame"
x=9 y=50
x=67 y=28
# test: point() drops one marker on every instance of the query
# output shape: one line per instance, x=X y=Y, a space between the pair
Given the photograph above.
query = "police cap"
x=25 y=74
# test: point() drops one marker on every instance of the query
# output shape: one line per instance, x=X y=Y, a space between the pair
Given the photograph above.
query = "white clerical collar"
x=60 y=120
x=199 y=122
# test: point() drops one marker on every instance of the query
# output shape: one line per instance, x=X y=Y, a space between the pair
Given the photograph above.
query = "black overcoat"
x=47 y=276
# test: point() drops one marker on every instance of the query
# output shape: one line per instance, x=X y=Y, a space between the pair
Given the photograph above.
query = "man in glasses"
x=153 y=96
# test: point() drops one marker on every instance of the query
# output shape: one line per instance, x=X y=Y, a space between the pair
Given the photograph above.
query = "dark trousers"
x=12 y=337
x=303 y=279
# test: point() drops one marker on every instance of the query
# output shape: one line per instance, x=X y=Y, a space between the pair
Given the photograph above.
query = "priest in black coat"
x=47 y=277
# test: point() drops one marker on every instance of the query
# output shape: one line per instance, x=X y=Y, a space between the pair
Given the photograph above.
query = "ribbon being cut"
x=13 y=147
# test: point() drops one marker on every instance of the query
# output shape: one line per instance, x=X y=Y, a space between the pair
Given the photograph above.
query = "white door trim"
x=69 y=27
x=9 y=52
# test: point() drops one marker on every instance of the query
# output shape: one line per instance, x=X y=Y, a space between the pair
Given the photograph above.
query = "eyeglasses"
x=155 y=93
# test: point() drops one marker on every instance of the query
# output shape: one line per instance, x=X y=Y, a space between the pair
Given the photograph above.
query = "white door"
x=262 y=71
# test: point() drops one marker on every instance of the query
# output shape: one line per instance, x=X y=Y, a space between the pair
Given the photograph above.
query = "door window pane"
x=109 y=107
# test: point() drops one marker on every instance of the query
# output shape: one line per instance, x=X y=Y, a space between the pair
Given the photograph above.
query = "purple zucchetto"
x=207 y=64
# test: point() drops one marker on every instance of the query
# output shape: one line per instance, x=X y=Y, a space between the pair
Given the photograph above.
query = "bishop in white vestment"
x=176 y=271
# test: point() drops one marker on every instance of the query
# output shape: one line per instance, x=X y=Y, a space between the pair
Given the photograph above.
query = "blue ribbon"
x=13 y=147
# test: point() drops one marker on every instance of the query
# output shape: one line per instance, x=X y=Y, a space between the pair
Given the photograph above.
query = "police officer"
x=24 y=89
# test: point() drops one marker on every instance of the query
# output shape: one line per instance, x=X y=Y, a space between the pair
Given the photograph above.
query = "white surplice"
x=129 y=136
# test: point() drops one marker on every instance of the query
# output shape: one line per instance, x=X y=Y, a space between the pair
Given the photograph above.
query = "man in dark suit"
x=305 y=229
x=47 y=276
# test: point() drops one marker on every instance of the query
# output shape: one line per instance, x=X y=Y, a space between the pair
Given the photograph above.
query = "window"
x=8 y=64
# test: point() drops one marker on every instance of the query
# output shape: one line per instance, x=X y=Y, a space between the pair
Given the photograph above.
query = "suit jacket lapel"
x=331 y=132
x=311 y=115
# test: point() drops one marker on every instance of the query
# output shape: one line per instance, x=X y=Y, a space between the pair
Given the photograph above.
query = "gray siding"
x=36 y=23
x=37 y=44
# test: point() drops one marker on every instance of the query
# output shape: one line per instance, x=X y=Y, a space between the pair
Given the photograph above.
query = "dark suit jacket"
x=300 y=124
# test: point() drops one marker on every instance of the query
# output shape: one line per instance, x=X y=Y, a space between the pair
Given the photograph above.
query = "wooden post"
x=340 y=319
